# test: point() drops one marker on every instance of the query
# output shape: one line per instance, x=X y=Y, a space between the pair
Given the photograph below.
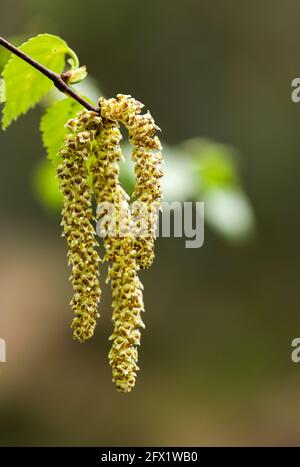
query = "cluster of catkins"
x=89 y=170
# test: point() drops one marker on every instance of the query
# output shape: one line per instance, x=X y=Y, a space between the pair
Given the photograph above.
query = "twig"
x=57 y=80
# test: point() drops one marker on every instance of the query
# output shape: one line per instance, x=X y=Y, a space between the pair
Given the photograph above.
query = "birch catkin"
x=77 y=217
x=147 y=158
x=90 y=167
x=127 y=301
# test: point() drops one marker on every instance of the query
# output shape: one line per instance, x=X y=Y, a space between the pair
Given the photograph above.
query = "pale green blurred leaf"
x=214 y=162
x=180 y=179
x=229 y=212
x=45 y=186
x=127 y=177
x=227 y=207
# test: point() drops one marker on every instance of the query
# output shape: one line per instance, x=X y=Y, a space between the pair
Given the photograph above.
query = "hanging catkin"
x=90 y=166
x=77 y=217
x=147 y=158
x=127 y=300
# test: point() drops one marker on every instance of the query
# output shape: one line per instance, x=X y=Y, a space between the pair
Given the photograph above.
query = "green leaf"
x=229 y=212
x=180 y=181
x=214 y=162
x=45 y=186
x=25 y=85
x=53 y=125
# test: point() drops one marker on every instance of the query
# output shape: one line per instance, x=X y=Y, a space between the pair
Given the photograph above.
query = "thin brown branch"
x=57 y=80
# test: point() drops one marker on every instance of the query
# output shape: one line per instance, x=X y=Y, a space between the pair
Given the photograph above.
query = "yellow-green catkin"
x=127 y=307
x=127 y=299
x=147 y=158
x=77 y=221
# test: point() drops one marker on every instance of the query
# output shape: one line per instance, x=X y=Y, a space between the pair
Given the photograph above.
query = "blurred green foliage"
x=45 y=186
x=227 y=207
x=215 y=163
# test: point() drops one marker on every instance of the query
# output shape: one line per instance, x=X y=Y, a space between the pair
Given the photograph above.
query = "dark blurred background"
x=215 y=355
